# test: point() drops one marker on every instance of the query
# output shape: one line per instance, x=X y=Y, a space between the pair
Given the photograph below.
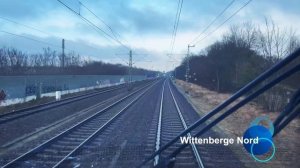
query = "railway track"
x=123 y=133
x=212 y=155
x=171 y=122
x=121 y=144
x=55 y=151
x=46 y=106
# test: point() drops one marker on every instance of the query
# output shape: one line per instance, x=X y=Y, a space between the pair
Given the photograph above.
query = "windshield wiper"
x=279 y=125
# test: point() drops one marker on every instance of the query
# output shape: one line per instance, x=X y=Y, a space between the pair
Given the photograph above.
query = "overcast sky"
x=144 y=25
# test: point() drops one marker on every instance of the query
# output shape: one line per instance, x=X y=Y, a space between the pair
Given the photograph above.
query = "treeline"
x=243 y=53
x=49 y=62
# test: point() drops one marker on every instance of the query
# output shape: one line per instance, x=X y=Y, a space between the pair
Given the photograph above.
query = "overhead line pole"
x=29 y=38
x=36 y=29
x=63 y=53
x=130 y=66
x=187 y=70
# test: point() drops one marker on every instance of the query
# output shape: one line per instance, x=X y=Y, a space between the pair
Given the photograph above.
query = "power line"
x=29 y=27
x=32 y=28
x=178 y=13
x=114 y=33
x=85 y=20
x=36 y=29
x=224 y=22
x=211 y=23
x=176 y=24
x=98 y=18
x=93 y=25
x=32 y=39
x=39 y=41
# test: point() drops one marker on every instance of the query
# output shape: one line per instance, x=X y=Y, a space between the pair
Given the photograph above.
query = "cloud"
x=146 y=25
x=29 y=9
x=80 y=47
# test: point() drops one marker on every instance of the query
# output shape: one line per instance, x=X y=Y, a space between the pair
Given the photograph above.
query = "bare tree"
x=244 y=35
x=293 y=42
x=49 y=57
x=3 y=58
x=275 y=43
x=249 y=34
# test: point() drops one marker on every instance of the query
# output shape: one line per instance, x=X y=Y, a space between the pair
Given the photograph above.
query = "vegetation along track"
x=58 y=149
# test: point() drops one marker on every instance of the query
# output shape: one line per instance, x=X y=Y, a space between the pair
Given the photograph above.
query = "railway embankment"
x=287 y=141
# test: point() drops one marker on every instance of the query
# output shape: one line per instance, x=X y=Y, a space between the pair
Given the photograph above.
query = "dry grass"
x=287 y=141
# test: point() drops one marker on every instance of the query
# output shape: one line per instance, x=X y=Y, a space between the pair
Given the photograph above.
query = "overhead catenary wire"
x=32 y=39
x=175 y=27
x=244 y=90
x=24 y=36
x=32 y=28
x=212 y=22
x=105 y=34
x=27 y=26
x=177 y=11
x=114 y=33
x=86 y=20
x=217 y=28
x=36 y=29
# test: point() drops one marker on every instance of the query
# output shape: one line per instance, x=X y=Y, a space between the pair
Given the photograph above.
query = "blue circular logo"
x=267 y=159
x=259 y=132
x=264 y=137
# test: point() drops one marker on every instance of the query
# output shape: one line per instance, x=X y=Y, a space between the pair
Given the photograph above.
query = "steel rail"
x=42 y=107
x=53 y=104
x=251 y=85
x=194 y=148
x=99 y=130
x=48 y=142
x=243 y=102
x=157 y=144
